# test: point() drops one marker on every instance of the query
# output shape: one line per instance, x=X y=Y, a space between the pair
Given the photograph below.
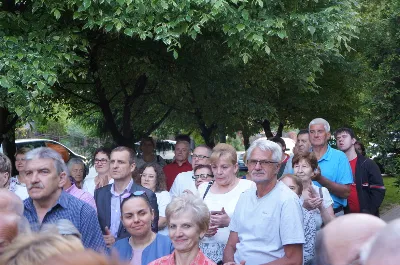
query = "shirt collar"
x=183 y=164
x=127 y=189
x=73 y=187
x=327 y=154
x=62 y=201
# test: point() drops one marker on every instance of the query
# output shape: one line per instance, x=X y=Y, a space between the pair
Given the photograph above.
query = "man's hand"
x=108 y=238
x=221 y=219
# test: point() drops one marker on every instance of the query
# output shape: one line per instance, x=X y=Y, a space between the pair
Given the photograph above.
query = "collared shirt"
x=116 y=207
x=184 y=181
x=82 y=195
x=335 y=166
x=200 y=259
x=82 y=215
x=173 y=169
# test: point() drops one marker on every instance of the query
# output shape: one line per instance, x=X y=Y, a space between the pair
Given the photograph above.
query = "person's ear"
x=133 y=166
x=63 y=179
x=353 y=141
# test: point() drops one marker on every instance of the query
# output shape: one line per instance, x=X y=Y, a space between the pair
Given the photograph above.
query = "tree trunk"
x=280 y=129
x=9 y=148
x=267 y=128
x=221 y=134
x=246 y=139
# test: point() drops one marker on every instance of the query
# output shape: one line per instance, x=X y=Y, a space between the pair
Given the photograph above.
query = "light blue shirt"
x=116 y=208
x=335 y=167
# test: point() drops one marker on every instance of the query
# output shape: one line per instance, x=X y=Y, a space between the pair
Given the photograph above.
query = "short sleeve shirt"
x=264 y=225
x=335 y=166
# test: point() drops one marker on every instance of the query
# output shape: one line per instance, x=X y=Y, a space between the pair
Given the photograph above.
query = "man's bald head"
x=9 y=202
x=341 y=240
x=384 y=249
x=9 y=223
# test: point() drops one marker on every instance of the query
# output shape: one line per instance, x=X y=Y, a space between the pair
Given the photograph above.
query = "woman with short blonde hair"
x=221 y=197
x=188 y=220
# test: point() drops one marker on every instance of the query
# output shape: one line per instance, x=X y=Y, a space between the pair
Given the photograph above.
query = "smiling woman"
x=143 y=246
x=188 y=219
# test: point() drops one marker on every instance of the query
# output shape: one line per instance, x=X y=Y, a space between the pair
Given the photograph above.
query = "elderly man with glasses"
x=184 y=181
x=272 y=234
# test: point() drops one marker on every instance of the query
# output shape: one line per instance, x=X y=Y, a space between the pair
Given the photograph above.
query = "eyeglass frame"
x=263 y=163
x=199 y=156
x=101 y=161
x=200 y=176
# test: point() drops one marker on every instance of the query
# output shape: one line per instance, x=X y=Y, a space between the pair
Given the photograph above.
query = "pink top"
x=170 y=260
x=82 y=195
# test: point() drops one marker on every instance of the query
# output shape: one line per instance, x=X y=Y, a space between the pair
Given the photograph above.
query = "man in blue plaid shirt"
x=46 y=174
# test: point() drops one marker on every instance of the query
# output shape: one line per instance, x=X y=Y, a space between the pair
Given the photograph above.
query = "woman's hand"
x=212 y=230
x=220 y=219
x=312 y=203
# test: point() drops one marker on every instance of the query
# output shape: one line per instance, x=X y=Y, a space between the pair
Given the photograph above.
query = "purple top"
x=81 y=195
x=116 y=207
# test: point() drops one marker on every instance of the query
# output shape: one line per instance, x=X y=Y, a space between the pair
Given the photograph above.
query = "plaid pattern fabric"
x=81 y=214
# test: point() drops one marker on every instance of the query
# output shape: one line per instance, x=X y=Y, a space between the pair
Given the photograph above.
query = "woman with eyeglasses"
x=221 y=197
x=202 y=174
x=102 y=166
x=152 y=177
x=143 y=246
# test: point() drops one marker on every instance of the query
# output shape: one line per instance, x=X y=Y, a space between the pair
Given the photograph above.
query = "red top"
x=173 y=169
x=352 y=200
x=200 y=259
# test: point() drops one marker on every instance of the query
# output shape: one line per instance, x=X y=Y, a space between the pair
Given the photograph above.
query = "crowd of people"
x=318 y=206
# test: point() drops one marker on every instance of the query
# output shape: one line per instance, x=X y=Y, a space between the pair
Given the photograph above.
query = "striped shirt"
x=200 y=259
x=81 y=195
x=82 y=215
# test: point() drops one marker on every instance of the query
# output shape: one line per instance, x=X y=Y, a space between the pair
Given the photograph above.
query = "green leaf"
x=311 y=29
x=129 y=32
x=87 y=3
x=245 y=58
x=282 y=34
x=4 y=82
x=267 y=49
x=57 y=13
x=41 y=85
x=240 y=27
x=175 y=53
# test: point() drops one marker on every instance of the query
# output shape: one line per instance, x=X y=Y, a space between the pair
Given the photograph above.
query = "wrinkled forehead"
x=39 y=163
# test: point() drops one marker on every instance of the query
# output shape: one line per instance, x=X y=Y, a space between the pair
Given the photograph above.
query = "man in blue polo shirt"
x=335 y=172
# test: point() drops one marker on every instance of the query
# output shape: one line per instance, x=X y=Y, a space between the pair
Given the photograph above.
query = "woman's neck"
x=142 y=242
x=148 y=157
x=184 y=258
x=306 y=184
x=21 y=177
x=226 y=188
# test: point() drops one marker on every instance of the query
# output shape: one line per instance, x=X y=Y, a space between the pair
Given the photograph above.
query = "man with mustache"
x=46 y=175
x=264 y=228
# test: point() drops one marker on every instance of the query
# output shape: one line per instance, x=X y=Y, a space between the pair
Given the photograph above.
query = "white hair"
x=48 y=153
x=320 y=121
x=266 y=145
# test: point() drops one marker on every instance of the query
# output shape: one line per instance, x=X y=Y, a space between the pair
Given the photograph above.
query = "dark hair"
x=131 y=196
x=147 y=139
x=160 y=176
x=278 y=140
x=345 y=130
x=132 y=154
x=362 y=147
x=202 y=166
x=182 y=137
x=104 y=150
x=302 y=131
x=296 y=180
x=309 y=157
x=23 y=150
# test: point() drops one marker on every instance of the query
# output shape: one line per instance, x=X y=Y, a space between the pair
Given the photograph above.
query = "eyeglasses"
x=263 y=163
x=100 y=161
x=20 y=159
x=147 y=176
x=202 y=176
x=138 y=193
x=199 y=156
